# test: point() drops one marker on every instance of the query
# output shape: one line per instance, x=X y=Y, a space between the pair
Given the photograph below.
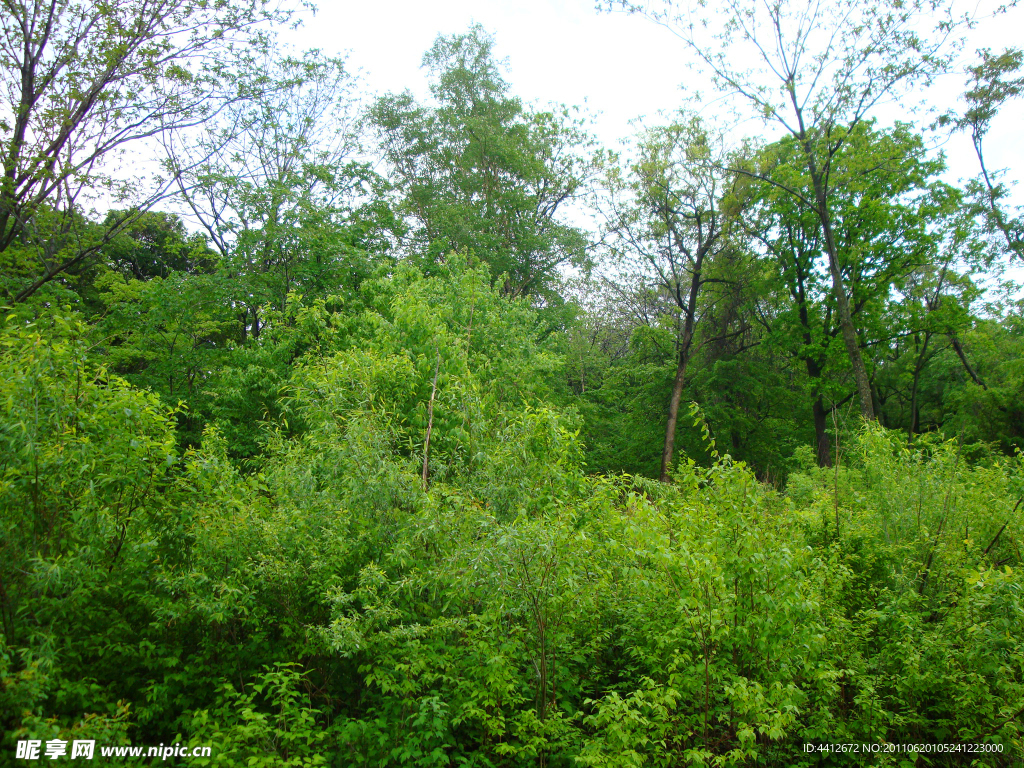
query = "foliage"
x=85 y=457
x=990 y=87
x=272 y=182
x=156 y=244
x=479 y=171
x=82 y=82
x=516 y=611
x=371 y=483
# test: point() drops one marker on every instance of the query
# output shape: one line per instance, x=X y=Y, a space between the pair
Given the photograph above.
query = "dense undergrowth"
x=322 y=605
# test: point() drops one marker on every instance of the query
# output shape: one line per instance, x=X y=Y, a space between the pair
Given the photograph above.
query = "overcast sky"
x=620 y=67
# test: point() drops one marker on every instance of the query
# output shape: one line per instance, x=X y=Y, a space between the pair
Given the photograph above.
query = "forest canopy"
x=374 y=430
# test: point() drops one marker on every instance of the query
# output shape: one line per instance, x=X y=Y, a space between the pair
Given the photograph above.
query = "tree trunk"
x=918 y=368
x=673 y=411
x=848 y=329
x=823 y=446
x=689 y=313
x=959 y=349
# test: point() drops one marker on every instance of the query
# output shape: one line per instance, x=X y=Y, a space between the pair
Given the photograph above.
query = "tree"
x=272 y=182
x=156 y=244
x=890 y=215
x=802 y=320
x=933 y=316
x=478 y=170
x=669 y=225
x=169 y=335
x=990 y=87
x=84 y=83
x=816 y=70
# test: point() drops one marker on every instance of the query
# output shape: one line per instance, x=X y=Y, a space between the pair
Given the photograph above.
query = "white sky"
x=620 y=67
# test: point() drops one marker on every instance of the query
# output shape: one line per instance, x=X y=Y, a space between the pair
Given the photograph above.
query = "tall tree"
x=801 y=320
x=667 y=224
x=991 y=84
x=479 y=170
x=273 y=182
x=83 y=82
x=889 y=217
x=816 y=70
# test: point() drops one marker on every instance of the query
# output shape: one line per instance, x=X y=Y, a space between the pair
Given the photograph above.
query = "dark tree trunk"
x=847 y=328
x=959 y=349
x=689 y=314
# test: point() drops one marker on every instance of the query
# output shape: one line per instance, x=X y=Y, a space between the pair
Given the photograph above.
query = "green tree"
x=156 y=244
x=816 y=71
x=671 y=230
x=272 y=182
x=85 y=459
x=890 y=216
x=990 y=86
x=170 y=335
x=478 y=170
x=939 y=305
x=83 y=81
